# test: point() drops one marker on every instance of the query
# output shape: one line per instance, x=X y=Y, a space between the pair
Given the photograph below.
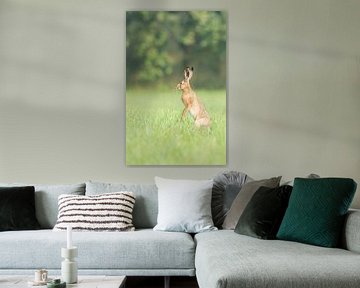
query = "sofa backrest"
x=46 y=200
x=146 y=203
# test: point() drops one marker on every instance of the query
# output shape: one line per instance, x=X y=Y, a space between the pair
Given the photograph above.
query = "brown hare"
x=191 y=101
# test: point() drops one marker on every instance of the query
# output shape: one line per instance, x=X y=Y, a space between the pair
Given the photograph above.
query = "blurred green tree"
x=160 y=44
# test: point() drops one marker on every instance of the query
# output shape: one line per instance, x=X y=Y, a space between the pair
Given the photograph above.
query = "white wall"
x=293 y=89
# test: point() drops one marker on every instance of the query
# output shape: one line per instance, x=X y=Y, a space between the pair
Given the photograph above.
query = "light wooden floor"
x=158 y=282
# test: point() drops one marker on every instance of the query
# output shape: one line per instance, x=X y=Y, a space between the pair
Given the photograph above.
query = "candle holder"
x=69 y=271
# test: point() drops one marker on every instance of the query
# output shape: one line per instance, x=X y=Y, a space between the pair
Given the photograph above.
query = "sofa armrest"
x=351 y=233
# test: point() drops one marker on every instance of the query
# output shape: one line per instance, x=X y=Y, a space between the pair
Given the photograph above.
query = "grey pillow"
x=226 y=187
x=243 y=198
x=146 y=204
x=184 y=205
x=46 y=200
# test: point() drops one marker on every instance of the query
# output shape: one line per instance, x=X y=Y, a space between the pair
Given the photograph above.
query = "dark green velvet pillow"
x=264 y=212
x=316 y=211
x=17 y=208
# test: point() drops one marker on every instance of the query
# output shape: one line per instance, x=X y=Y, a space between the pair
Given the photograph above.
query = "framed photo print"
x=176 y=87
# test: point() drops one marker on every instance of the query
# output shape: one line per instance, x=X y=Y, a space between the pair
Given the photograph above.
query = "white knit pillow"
x=105 y=212
x=184 y=205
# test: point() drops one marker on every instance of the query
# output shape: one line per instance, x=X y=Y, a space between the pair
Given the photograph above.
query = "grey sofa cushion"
x=226 y=259
x=46 y=200
x=137 y=250
x=146 y=204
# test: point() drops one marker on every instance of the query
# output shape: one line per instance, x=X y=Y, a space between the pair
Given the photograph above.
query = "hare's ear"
x=188 y=72
x=191 y=72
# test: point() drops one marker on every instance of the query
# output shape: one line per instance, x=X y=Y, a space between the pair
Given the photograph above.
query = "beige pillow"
x=243 y=198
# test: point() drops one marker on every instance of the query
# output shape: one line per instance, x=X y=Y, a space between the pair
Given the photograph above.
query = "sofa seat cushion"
x=226 y=259
x=141 y=249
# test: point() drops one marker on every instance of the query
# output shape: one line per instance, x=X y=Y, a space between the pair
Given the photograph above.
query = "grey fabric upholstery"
x=139 y=250
x=107 y=272
x=351 y=231
x=223 y=259
x=226 y=259
x=146 y=204
x=46 y=200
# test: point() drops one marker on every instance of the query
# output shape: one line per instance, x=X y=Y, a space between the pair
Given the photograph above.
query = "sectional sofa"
x=218 y=258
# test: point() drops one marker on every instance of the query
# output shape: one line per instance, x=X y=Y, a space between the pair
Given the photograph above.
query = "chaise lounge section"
x=225 y=259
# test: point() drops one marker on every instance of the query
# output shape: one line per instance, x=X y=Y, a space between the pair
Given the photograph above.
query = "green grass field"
x=155 y=135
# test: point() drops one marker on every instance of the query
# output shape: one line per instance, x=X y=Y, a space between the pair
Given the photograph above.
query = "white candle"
x=69 y=237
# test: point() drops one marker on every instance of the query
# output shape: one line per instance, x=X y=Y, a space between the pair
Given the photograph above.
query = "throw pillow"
x=17 y=209
x=263 y=215
x=184 y=205
x=243 y=198
x=105 y=212
x=317 y=209
x=226 y=187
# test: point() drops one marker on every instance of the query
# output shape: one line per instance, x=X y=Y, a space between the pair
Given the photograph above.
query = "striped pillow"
x=105 y=212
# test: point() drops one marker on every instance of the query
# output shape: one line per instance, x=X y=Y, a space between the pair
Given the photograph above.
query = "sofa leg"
x=167 y=282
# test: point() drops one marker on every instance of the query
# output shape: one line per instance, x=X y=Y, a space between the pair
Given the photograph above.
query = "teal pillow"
x=316 y=211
